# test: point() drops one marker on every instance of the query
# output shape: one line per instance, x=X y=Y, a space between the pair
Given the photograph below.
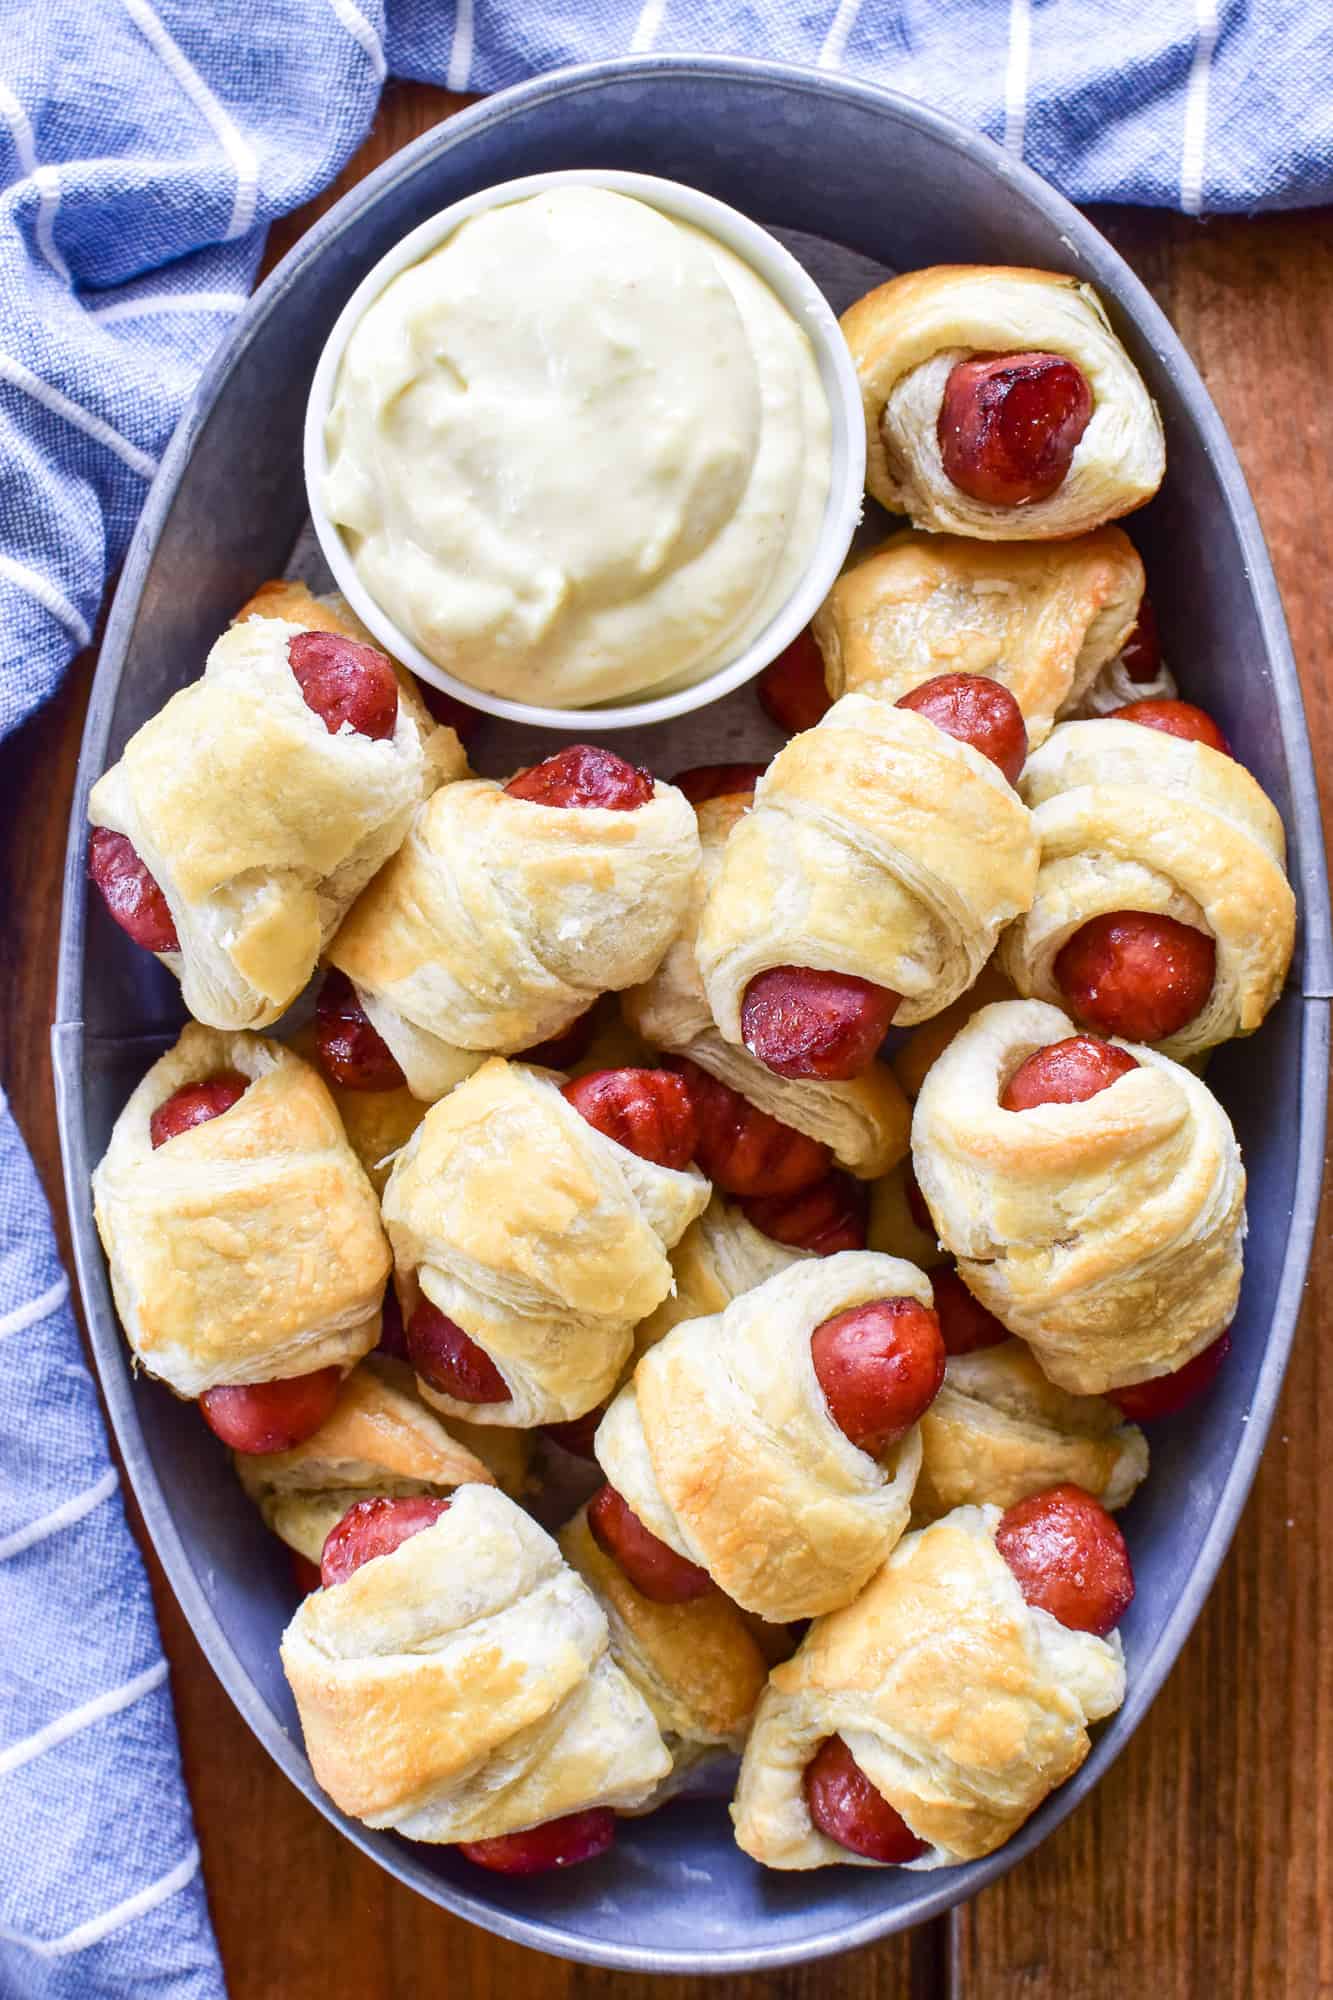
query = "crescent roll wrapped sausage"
x=720 y=1256
x=998 y=1431
x=500 y=920
x=963 y=1705
x=879 y=847
x=380 y=1438
x=724 y=1446
x=462 y=1687
x=908 y=337
x=864 y=1122
x=258 y=825
x=1133 y=820
x=544 y=1240
x=1106 y=1233
x=1041 y=618
x=697 y=1665
x=248 y=1248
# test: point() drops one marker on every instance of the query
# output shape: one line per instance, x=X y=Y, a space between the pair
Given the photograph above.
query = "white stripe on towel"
x=1016 y=77
x=170 y=302
x=55 y=601
x=96 y=1928
x=647 y=27
x=47 y=183
x=60 y=405
x=835 y=41
x=44 y=179
x=19 y=1317
x=460 y=55
x=83 y=1717
x=1196 y=107
x=361 y=30
x=228 y=134
x=63 y=1516
x=20 y=127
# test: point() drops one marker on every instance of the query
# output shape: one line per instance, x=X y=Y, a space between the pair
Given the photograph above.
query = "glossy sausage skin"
x=742 y=1149
x=880 y=1366
x=831 y=1214
x=584 y=775
x=647 y=1111
x=1141 y=654
x=655 y=1570
x=803 y=1023
x=256 y=1417
x=1069 y=1558
x=792 y=690
x=1140 y=976
x=349 y=1050
x=717 y=781
x=965 y=1324
x=916 y=1204
x=557 y=1843
x=133 y=896
x=305 y=1574
x=345 y=683
x=576 y=1435
x=1009 y=425
x=1145 y=1402
x=562 y=1051
x=844 y=1806
x=1176 y=718
x=393 y=1334
x=373 y=1528
x=975 y=709
x=450 y=1361
x=196 y=1104
x=1068 y=1072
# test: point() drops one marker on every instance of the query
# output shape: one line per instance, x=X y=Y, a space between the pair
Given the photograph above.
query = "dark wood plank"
x=1201 y=1864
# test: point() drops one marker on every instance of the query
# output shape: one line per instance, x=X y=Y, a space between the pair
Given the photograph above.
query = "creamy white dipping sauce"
x=580 y=452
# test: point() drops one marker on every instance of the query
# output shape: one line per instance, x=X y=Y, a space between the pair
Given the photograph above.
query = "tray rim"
x=1103 y=262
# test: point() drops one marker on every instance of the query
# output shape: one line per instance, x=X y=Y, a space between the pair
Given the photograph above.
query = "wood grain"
x=1200 y=1866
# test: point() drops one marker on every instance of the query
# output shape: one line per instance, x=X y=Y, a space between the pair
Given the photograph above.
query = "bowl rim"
x=1101 y=262
x=794 y=289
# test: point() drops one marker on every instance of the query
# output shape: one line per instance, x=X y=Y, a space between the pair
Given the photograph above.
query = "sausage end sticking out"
x=345 y=683
x=1068 y=1557
x=655 y=1570
x=1009 y=425
x=450 y=1360
x=271 y=1416
x=583 y=775
x=880 y=1366
x=845 y=1807
x=802 y=1023
x=649 y=1112
x=1138 y=975
x=373 y=1528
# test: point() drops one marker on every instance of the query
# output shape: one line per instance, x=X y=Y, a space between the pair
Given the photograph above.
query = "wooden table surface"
x=1201 y=1865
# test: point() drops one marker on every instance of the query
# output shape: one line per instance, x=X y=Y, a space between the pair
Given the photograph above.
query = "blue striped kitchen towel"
x=145 y=147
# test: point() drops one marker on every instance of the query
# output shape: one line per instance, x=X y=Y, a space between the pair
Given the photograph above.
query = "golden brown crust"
x=906 y=336
x=260 y=827
x=720 y=1256
x=1041 y=618
x=723 y=1445
x=461 y=1687
x=1133 y=819
x=999 y=1431
x=379 y=1439
x=285 y=597
x=696 y=1664
x=1106 y=1234
x=249 y=1247
x=865 y=1122
x=962 y=1705
x=543 y=1239
x=498 y=922
x=878 y=846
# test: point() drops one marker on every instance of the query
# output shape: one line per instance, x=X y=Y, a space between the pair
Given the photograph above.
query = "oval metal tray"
x=900 y=186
